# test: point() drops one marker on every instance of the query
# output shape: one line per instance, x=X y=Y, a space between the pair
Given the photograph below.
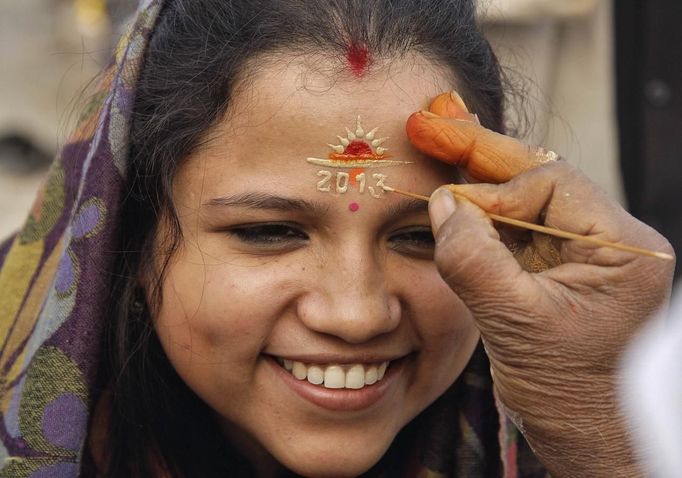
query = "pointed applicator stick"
x=552 y=231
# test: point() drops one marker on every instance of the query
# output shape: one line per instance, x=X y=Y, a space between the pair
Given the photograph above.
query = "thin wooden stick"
x=552 y=231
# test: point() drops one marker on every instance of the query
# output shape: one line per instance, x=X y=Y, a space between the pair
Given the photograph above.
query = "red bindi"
x=358 y=59
x=354 y=207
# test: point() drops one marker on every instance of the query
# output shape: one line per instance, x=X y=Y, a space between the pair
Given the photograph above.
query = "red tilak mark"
x=357 y=148
x=358 y=58
x=354 y=207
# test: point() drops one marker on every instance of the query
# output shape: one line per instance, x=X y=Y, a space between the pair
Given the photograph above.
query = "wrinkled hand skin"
x=555 y=337
x=455 y=137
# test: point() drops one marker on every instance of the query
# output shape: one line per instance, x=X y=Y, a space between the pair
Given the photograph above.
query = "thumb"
x=472 y=260
x=448 y=132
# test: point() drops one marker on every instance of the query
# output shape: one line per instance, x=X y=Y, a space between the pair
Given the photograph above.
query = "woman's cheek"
x=447 y=337
x=217 y=304
x=440 y=313
x=449 y=333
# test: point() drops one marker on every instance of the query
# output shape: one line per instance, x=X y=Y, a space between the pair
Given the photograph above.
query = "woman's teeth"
x=354 y=376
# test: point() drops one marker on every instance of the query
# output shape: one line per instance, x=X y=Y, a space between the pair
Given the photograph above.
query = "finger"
x=483 y=154
x=451 y=105
x=559 y=196
x=472 y=260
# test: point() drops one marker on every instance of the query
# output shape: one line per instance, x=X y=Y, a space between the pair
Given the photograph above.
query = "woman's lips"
x=325 y=389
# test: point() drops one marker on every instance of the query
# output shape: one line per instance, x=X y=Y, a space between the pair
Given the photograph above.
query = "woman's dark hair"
x=199 y=52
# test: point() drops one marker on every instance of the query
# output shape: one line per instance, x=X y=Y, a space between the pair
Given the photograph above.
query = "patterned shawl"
x=55 y=276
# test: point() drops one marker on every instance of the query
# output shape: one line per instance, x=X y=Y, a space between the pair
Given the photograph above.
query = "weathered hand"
x=450 y=133
x=554 y=337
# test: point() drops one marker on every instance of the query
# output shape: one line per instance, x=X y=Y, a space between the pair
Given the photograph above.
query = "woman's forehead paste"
x=357 y=151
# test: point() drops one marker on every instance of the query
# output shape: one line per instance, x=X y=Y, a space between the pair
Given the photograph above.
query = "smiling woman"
x=351 y=331
x=190 y=296
x=308 y=336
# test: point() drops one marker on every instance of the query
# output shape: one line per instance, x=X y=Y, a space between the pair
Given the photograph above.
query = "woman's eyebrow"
x=260 y=200
x=408 y=206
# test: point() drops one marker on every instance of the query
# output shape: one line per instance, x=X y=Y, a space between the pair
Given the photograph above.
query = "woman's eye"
x=417 y=241
x=269 y=234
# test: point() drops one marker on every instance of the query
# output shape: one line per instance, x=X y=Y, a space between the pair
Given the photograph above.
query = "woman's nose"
x=351 y=301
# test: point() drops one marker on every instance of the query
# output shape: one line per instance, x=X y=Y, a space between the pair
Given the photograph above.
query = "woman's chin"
x=333 y=469
x=336 y=460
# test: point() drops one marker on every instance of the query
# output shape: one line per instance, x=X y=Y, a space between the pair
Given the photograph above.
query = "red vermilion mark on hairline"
x=358 y=59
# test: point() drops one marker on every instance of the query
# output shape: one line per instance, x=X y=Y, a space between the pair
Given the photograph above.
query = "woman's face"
x=291 y=272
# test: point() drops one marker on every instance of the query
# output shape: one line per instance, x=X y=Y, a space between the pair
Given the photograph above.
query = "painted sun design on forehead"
x=358 y=149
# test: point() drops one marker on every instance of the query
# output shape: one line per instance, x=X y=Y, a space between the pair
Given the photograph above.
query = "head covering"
x=55 y=280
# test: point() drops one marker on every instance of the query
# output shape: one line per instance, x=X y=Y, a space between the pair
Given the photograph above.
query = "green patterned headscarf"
x=54 y=281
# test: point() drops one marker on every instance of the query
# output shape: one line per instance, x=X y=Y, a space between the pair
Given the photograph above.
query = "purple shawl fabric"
x=55 y=277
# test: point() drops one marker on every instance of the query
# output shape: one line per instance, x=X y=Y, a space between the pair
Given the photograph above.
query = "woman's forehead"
x=311 y=94
x=285 y=126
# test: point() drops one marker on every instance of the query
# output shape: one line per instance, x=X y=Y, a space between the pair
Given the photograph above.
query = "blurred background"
x=50 y=51
x=597 y=81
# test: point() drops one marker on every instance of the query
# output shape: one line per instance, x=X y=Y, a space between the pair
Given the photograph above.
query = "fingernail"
x=441 y=207
x=428 y=114
x=454 y=96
